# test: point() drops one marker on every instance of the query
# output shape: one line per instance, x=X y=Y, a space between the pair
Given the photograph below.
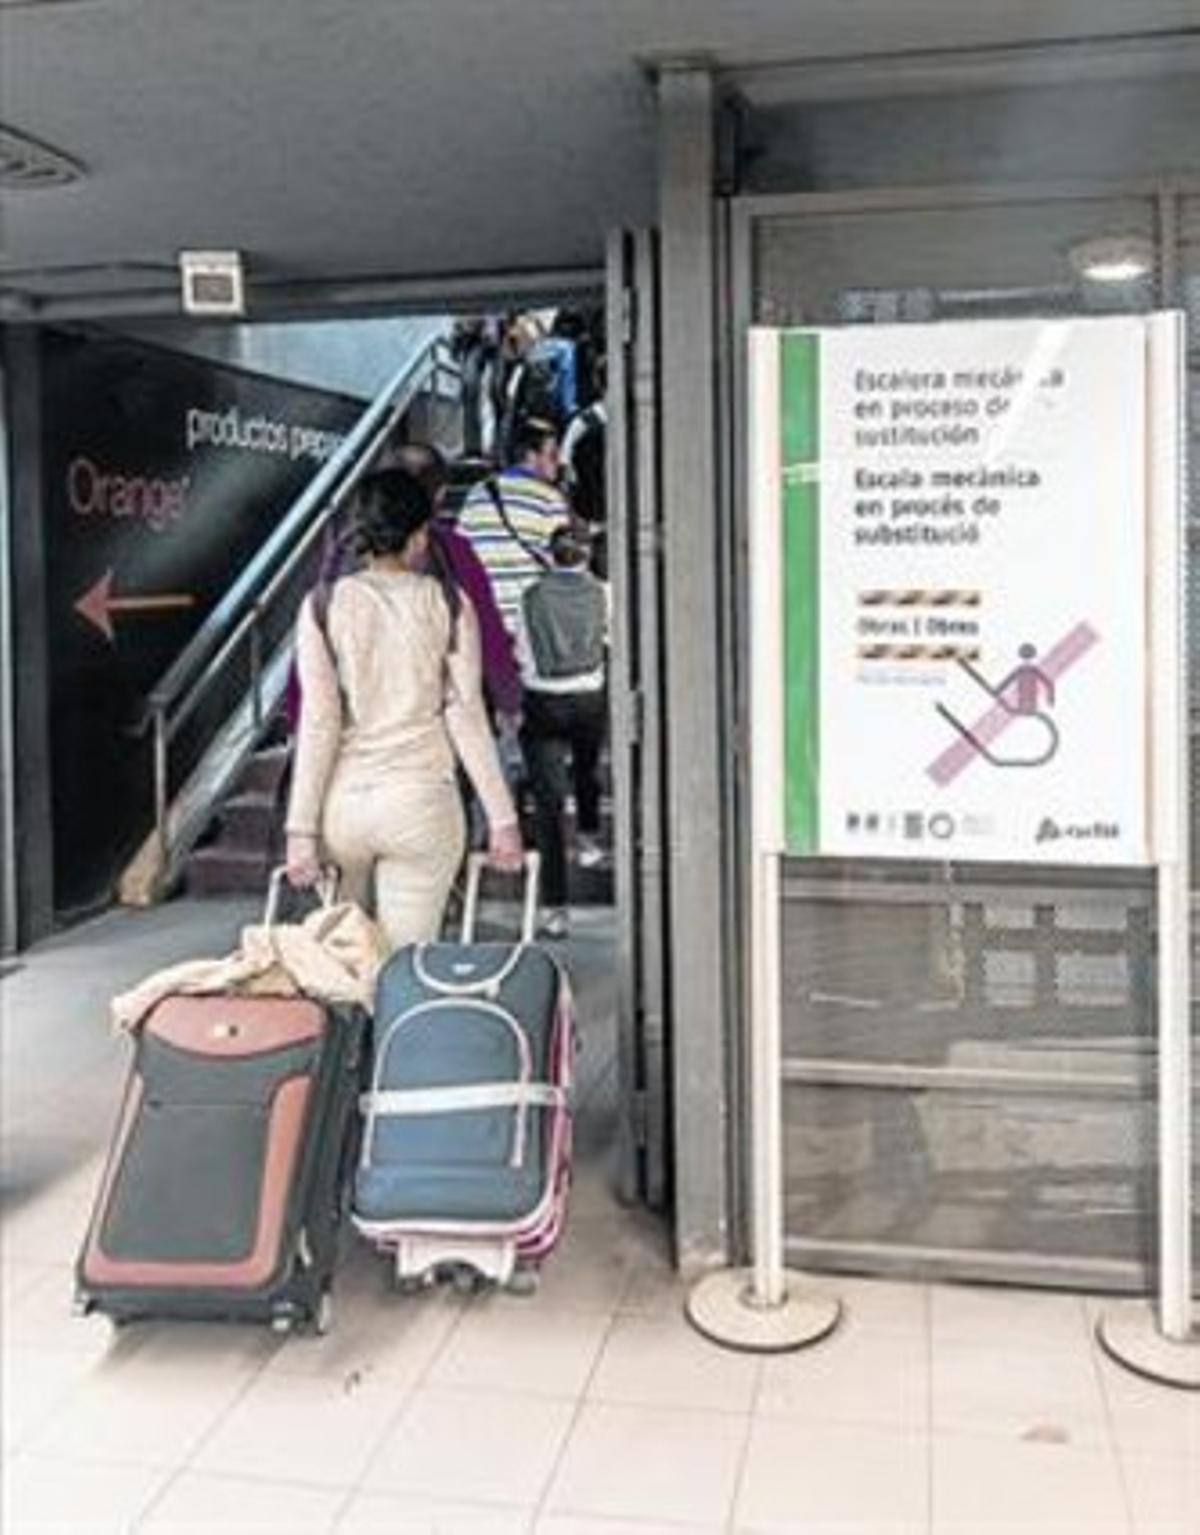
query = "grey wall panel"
x=31 y=693
x=693 y=638
x=1094 y=131
x=355 y=357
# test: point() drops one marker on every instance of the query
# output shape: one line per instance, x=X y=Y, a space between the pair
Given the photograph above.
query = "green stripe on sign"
x=800 y=382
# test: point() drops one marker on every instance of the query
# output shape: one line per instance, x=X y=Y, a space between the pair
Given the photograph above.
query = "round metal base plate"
x=1129 y=1332
x=722 y=1307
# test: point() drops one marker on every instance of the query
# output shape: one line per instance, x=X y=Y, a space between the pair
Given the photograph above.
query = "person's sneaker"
x=588 y=852
x=554 y=923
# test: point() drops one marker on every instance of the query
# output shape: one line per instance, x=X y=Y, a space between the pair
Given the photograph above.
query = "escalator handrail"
x=290 y=540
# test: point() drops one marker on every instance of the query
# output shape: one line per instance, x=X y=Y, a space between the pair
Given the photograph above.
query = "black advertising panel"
x=163 y=475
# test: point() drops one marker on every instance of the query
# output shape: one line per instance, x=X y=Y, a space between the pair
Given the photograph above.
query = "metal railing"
x=239 y=621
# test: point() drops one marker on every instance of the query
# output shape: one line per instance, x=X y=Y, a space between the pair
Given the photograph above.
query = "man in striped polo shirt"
x=511 y=517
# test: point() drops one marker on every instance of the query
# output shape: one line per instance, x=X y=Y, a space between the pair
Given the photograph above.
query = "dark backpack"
x=538 y=395
x=588 y=468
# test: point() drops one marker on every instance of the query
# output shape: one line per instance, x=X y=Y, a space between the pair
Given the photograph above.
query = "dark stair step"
x=264 y=771
x=217 y=870
x=250 y=822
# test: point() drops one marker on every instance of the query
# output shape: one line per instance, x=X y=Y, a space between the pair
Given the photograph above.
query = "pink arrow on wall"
x=98 y=605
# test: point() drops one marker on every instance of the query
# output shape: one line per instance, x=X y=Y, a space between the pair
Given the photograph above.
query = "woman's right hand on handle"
x=303 y=865
x=505 y=848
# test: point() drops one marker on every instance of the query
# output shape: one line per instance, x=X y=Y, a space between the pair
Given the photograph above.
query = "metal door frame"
x=1165 y=201
x=9 y=916
x=636 y=709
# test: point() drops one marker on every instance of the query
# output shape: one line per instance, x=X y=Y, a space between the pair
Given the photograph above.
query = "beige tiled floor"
x=591 y=1409
x=594 y=1408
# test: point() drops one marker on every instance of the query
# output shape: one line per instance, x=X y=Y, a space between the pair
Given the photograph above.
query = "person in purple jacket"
x=336 y=560
x=502 y=685
x=501 y=676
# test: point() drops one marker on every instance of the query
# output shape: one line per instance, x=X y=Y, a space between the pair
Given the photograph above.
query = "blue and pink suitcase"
x=465 y=1161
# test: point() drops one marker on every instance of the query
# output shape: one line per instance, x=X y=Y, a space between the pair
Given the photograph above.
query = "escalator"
x=221 y=830
x=215 y=707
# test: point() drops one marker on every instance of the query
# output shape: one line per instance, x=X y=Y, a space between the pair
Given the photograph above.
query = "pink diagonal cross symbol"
x=988 y=727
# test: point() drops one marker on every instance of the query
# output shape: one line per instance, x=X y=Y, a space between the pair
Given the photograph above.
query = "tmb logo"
x=1050 y=830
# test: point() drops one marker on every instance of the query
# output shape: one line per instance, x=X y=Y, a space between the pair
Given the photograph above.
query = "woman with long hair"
x=389 y=662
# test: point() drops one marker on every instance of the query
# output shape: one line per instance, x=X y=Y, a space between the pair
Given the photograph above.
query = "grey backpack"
x=565 y=620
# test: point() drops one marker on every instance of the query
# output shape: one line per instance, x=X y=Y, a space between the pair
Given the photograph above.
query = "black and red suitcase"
x=224 y=1189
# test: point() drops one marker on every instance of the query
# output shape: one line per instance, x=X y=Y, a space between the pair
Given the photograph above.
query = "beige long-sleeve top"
x=398 y=704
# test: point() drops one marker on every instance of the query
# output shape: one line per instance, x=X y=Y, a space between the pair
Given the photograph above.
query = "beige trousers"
x=398 y=847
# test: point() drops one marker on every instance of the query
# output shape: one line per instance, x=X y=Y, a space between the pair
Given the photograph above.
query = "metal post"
x=8 y=775
x=161 y=788
x=1173 y=810
x=256 y=669
x=622 y=684
x=1175 y=1105
x=766 y=1309
x=653 y=906
x=1165 y=1345
x=767 y=1115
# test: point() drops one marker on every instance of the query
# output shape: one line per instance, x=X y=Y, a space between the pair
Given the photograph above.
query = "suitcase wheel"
x=468 y=1281
x=322 y=1319
x=524 y=1282
x=413 y=1284
x=283 y=1323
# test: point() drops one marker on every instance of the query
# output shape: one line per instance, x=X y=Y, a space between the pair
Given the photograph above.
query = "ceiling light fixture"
x=1122 y=258
x=214 y=283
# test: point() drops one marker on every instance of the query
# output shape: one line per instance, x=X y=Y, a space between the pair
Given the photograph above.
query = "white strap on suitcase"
x=463 y=1100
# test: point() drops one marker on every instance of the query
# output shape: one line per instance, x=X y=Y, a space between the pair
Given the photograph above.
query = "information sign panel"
x=957 y=519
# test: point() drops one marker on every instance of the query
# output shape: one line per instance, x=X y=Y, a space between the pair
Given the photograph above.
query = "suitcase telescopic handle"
x=326 y=888
x=476 y=864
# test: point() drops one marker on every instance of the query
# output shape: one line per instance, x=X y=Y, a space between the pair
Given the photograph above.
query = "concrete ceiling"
x=341 y=138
